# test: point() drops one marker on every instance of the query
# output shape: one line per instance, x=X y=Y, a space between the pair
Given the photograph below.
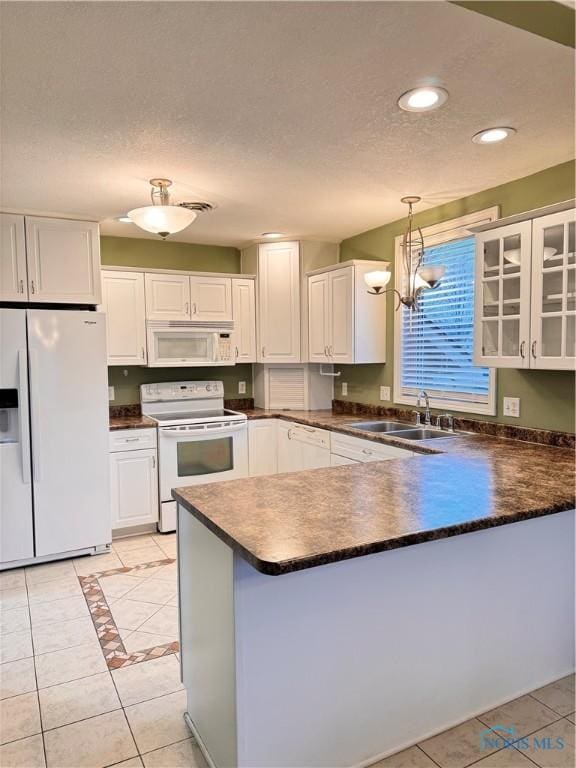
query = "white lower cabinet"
x=262 y=454
x=133 y=478
x=277 y=446
x=340 y=461
x=357 y=449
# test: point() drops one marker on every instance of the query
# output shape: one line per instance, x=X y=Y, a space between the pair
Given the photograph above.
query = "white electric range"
x=199 y=441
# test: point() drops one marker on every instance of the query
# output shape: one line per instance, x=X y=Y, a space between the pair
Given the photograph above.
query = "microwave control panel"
x=224 y=347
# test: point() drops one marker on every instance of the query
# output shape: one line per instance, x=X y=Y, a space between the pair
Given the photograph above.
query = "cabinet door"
x=244 y=312
x=502 y=300
x=134 y=488
x=63 y=261
x=341 y=316
x=553 y=318
x=318 y=318
x=314 y=456
x=279 y=302
x=13 y=279
x=211 y=298
x=262 y=447
x=123 y=302
x=167 y=297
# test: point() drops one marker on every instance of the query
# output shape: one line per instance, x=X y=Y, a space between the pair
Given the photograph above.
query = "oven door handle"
x=170 y=432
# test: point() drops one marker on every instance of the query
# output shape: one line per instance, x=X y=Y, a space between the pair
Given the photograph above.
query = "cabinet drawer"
x=132 y=439
x=364 y=450
x=309 y=435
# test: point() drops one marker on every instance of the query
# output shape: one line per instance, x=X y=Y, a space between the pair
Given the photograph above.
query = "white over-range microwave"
x=181 y=343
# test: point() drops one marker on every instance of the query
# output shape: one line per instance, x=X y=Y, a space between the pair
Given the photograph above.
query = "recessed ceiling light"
x=124 y=219
x=423 y=99
x=493 y=135
x=272 y=234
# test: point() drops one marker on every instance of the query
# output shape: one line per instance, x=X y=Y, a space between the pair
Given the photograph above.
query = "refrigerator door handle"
x=34 y=410
x=23 y=416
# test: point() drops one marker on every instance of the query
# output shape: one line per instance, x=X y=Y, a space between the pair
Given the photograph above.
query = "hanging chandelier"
x=162 y=218
x=417 y=276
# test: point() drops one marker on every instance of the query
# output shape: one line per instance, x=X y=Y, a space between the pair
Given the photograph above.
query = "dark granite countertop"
x=298 y=520
x=131 y=422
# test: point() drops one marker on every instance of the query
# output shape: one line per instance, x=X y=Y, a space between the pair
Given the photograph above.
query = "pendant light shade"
x=163 y=220
x=377 y=280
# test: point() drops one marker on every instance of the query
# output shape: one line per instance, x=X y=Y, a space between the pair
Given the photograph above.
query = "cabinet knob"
x=263 y=351
x=143 y=353
x=236 y=353
x=21 y=286
x=32 y=288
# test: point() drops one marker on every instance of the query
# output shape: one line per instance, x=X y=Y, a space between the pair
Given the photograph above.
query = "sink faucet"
x=427 y=419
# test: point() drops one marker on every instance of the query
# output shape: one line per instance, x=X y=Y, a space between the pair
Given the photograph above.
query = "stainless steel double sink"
x=403 y=430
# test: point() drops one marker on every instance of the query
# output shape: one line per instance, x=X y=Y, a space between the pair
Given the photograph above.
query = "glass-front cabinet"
x=525 y=306
x=553 y=322
x=503 y=266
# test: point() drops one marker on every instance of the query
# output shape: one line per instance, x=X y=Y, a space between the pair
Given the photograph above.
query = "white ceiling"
x=283 y=115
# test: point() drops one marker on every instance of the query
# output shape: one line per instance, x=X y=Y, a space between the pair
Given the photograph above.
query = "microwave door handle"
x=215 y=354
x=23 y=416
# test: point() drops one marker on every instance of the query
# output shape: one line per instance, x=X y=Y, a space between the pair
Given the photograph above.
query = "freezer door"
x=16 y=523
x=69 y=420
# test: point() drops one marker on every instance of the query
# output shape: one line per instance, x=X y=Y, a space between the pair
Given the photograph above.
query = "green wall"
x=160 y=254
x=546 y=397
x=127 y=387
x=166 y=254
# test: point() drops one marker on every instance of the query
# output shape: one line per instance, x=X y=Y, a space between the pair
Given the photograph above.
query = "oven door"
x=174 y=346
x=201 y=453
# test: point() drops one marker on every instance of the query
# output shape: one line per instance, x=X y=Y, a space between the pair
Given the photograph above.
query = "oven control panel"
x=181 y=390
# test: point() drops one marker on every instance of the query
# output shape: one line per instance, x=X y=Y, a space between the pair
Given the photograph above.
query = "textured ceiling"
x=283 y=115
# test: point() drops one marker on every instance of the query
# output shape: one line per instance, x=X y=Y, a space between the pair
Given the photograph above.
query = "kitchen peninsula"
x=334 y=616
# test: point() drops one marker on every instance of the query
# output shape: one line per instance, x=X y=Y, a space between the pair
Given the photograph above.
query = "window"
x=434 y=346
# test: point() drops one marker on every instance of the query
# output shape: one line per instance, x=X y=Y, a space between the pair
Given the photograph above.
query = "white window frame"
x=438 y=234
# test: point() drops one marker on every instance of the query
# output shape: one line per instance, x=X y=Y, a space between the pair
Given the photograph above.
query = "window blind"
x=437 y=340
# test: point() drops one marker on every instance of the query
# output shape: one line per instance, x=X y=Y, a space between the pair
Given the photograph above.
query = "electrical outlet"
x=241 y=387
x=512 y=406
x=385 y=393
x=344 y=388
x=111 y=393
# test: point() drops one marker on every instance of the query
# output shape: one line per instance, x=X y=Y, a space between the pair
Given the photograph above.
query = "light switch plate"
x=384 y=393
x=512 y=406
x=111 y=393
x=344 y=388
x=241 y=387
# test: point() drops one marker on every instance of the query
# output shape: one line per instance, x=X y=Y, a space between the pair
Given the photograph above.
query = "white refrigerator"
x=54 y=481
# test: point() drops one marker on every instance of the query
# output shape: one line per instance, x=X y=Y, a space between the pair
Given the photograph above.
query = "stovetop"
x=193 y=417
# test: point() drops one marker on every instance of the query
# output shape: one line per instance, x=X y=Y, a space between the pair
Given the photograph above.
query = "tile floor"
x=89 y=676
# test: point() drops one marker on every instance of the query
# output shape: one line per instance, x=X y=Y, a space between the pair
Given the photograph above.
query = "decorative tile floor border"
x=106 y=629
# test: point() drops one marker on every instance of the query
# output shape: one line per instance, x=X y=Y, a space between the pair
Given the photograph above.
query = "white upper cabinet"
x=244 y=313
x=502 y=300
x=13 y=278
x=167 y=297
x=63 y=259
x=211 y=299
x=123 y=302
x=279 y=302
x=525 y=303
x=346 y=324
x=553 y=319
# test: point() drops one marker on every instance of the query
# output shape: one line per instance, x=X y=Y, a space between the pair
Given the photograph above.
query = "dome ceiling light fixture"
x=272 y=235
x=162 y=217
x=493 y=135
x=423 y=99
x=418 y=277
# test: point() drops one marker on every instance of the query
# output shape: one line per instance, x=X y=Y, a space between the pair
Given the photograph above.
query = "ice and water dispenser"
x=8 y=415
